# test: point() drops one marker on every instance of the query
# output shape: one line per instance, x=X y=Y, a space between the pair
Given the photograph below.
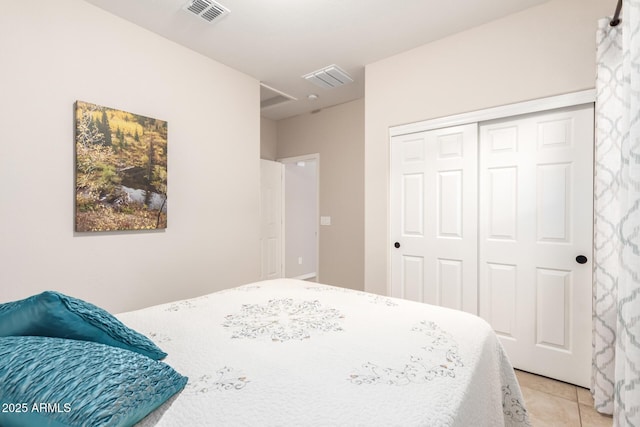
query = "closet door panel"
x=536 y=215
x=407 y=206
x=433 y=211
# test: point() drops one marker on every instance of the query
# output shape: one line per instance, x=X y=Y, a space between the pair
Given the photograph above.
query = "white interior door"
x=433 y=211
x=536 y=218
x=271 y=219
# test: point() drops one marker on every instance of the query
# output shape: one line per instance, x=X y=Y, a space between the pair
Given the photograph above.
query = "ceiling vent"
x=206 y=9
x=329 y=77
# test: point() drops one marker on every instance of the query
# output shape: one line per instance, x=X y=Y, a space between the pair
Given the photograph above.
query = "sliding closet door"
x=433 y=212
x=535 y=239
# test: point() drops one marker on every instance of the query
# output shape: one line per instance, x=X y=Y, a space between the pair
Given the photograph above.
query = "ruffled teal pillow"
x=52 y=314
x=58 y=382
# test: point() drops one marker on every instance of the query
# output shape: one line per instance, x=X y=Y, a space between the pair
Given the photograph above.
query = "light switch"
x=325 y=220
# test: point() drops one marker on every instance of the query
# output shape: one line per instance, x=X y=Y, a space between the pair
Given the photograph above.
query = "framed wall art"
x=121 y=170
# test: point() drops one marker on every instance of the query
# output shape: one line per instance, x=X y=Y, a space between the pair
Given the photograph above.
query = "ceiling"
x=279 y=41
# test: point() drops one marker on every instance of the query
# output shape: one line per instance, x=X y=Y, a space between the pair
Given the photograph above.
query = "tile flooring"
x=553 y=403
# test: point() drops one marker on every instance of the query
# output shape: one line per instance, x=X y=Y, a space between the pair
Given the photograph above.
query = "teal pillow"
x=52 y=314
x=56 y=382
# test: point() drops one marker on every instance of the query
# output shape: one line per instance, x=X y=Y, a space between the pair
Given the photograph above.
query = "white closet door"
x=536 y=217
x=433 y=211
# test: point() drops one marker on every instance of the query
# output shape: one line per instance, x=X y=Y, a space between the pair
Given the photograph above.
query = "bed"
x=294 y=353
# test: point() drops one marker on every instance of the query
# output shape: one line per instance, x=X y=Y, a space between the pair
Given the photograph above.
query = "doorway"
x=301 y=213
x=289 y=192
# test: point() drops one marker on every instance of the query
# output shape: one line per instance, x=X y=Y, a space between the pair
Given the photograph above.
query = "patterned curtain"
x=616 y=293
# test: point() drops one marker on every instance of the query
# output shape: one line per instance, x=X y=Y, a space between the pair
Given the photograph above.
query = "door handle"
x=581 y=259
x=396 y=245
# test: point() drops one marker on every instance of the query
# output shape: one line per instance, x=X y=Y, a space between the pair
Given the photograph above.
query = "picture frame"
x=121 y=170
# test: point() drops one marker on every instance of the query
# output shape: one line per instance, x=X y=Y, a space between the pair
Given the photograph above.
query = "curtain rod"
x=616 y=16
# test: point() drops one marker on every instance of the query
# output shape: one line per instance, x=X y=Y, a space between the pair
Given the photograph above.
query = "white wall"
x=56 y=52
x=337 y=134
x=543 y=51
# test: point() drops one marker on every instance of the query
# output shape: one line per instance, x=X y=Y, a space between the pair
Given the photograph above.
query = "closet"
x=495 y=217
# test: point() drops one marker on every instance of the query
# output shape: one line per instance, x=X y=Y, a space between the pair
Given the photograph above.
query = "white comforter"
x=294 y=353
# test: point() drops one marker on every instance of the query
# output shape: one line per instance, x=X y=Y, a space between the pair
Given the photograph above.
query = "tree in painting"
x=121 y=170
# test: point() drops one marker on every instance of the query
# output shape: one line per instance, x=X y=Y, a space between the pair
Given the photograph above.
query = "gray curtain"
x=616 y=293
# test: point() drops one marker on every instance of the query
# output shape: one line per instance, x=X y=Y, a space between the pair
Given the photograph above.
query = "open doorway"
x=301 y=210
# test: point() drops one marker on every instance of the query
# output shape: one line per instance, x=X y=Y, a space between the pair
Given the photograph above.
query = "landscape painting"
x=121 y=170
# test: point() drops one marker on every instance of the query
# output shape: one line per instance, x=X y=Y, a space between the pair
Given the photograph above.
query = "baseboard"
x=305 y=276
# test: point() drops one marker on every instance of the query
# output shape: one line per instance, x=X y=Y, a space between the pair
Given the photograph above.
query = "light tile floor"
x=553 y=403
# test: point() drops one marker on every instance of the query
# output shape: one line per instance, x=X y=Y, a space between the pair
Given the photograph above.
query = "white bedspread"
x=294 y=353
